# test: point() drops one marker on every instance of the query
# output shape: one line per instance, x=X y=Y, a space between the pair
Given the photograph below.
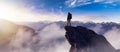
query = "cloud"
x=98 y=0
x=98 y=28
x=49 y=39
x=94 y=18
x=47 y=32
x=75 y=3
x=113 y=37
x=50 y=35
x=17 y=12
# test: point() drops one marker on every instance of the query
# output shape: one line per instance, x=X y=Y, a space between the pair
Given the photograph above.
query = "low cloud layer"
x=50 y=37
x=113 y=36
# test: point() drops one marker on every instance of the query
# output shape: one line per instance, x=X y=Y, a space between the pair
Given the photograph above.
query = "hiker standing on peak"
x=69 y=17
x=70 y=38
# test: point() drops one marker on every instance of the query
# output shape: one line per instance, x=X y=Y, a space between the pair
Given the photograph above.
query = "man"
x=69 y=19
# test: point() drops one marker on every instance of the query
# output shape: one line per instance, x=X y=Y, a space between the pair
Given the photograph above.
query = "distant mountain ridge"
x=105 y=26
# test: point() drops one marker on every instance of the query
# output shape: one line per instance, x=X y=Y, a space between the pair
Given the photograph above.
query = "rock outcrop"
x=82 y=39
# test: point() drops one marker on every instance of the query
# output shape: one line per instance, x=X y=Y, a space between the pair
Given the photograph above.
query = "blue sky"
x=77 y=6
x=108 y=9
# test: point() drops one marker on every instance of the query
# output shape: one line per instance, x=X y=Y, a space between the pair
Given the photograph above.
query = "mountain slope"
x=83 y=39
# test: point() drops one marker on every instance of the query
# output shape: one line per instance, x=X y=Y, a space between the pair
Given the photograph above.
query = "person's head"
x=69 y=13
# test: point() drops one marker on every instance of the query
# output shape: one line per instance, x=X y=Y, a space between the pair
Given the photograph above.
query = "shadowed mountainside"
x=82 y=39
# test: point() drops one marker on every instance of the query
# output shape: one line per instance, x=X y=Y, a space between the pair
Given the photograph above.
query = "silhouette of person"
x=69 y=17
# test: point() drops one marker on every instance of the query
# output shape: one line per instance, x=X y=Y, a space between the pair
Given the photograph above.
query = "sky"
x=56 y=10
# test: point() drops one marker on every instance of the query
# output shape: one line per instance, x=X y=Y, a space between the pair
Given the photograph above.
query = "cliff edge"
x=82 y=39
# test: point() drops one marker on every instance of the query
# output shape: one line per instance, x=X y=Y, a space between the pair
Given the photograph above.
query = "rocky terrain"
x=82 y=39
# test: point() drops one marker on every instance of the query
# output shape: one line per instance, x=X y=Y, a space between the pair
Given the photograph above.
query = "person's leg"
x=68 y=22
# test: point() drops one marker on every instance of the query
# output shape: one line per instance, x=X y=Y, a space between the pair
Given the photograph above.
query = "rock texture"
x=82 y=39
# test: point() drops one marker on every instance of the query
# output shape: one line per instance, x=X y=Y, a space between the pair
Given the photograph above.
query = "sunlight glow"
x=16 y=14
x=7 y=31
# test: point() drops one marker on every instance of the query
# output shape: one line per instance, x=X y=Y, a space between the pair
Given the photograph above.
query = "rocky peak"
x=82 y=39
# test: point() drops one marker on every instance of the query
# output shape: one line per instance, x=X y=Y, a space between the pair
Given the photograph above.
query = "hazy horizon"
x=44 y=10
